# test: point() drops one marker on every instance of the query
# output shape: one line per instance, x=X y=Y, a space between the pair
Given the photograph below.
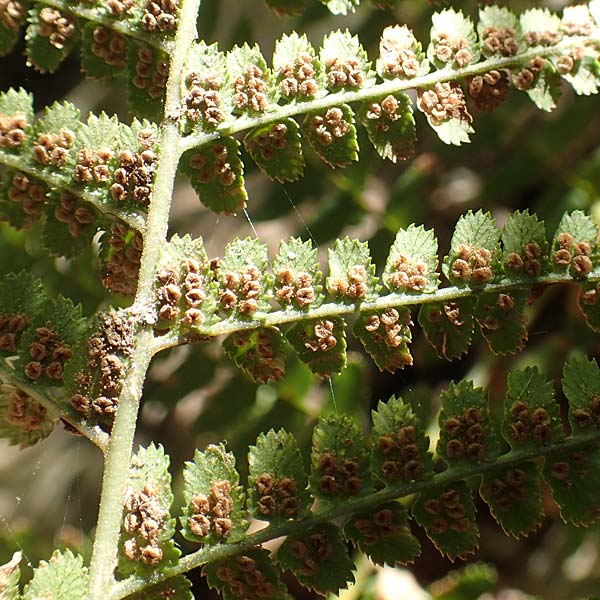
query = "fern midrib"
x=392 y=300
x=344 y=509
x=374 y=92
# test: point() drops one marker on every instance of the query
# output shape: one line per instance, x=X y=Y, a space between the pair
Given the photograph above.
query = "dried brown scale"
x=329 y=127
x=344 y=73
x=442 y=102
x=396 y=53
x=323 y=339
x=109 y=46
x=298 y=79
x=13 y=130
x=58 y=27
x=250 y=90
x=160 y=15
x=499 y=41
x=12 y=13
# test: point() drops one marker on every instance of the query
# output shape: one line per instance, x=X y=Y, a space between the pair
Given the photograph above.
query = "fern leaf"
x=10 y=573
x=581 y=385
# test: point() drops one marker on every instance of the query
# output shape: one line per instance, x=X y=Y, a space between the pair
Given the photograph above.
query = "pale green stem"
x=346 y=508
x=118 y=457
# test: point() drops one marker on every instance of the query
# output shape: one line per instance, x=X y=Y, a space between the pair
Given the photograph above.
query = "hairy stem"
x=344 y=509
x=118 y=456
x=374 y=92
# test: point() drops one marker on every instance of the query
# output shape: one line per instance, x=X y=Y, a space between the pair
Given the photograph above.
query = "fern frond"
x=493 y=272
x=358 y=481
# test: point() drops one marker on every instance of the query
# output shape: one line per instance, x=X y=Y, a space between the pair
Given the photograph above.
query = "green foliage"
x=63 y=577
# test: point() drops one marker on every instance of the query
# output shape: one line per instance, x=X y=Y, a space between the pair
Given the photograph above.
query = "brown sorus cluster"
x=410 y=274
x=100 y=383
x=261 y=359
x=344 y=73
x=245 y=580
x=53 y=148
x=212 y=513
x=448 y=512
x=11 y=328
x=573 y=255
x=160 y=15
x=565 y=472
x=181 y=290
x=528 y=423
x=588 y=416
x=400 y=454
x=577 y=20
x=56 y=26
x=70 y=212
x=298 y=78
x=508 y=489
x=353 y=285
x=338 y=475
x=144 y=520
x=312 y=550
x=294 y=288
x=12 y=13
x=448 y=49
x=543 y=38
x=151 y=71
x=48 y=355
x=396 y=54
x=12 y=130
x=24 y=413
x=203 y=100
x=380 y=525
x=472 y=265
x=529 y=260
x=499 y=41
x=590 y=296
x=442 y=102
x=92 y=165
x=330 y=126
x=527 y=77
x=30 y=194
x=110 y=46
x=271 y=140
x=276 y=497
x=490 y=323
x=488 y=91
x=120 y=7
x=121 y=270
x=323 y=339
x=463 y=435
x=386 y=112
x=213 y=163
x=391 y=329
x=251 y=90
x=452 y=312
x=240 y=290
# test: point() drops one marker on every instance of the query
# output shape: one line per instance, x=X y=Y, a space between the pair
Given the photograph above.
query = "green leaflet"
x=448 y=326
x=10 y=30
x=583 y=75
x=17 y=104
x=588 y=303
x=217 y=175
x=250 y=575
x=574 y=248
x=524 y=245
x=515 y=498
x=385 y=335
x=390 y=126
x=503 y=320
x=10 y=573
x=448 y=517
x=547 y=91
x=63 y=577
x=581 y=386
x=214 y=502
x=453 y=40
x=260 y=353
x=276 y=149
x=51 y=35
x=340 y=461
x=474 y=250
x=400 y=54
x=411 y=266
x=466 y=429
x=351 y=272
x=499 y=32
x=297 y=275
x=531 y=416
x=384 y=535
x=277 y=479
x=332 y=135
x=320 y=344
x=400 y=448
x=177 y=587
x=146 y=537
x=470 y=581
x=318 y=558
